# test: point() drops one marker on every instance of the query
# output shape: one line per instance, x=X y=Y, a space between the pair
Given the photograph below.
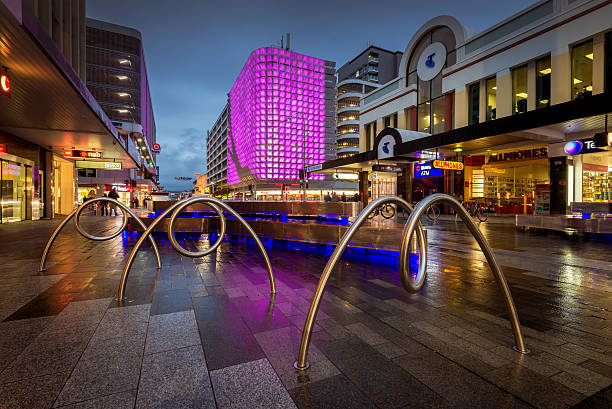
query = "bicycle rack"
x=412 y=224
x=76 y=213
x=176 y=209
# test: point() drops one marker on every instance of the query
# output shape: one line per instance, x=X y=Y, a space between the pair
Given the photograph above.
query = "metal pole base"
x=525 y=352
x=295 y=365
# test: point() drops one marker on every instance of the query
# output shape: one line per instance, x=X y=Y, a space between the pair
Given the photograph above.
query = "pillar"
x=504 y=93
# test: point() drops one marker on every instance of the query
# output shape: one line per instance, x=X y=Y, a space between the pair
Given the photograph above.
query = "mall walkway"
x=205 y=332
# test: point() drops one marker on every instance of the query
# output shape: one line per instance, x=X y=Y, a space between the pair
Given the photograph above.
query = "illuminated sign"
x=74 y=153
x=431 y=61
x=573 y=147
x=425 y=169
x=582 y=146
x=448 y=165
x=3 y=148
x=156 y=148
x=525 y=154
x=346 y=176
x=387 y=168
x=119 y=188
x=314 y=167
x=82 y=164
x=5 y=83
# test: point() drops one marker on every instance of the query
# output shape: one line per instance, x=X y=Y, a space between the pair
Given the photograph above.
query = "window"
x=395 y=120
x=473 y=103
x=491 y=86
x=87 y=173
x=438 y=108
x=543 y=82
x=582 y=70
x=519 y=90
x=387 y=122
x=608 y=62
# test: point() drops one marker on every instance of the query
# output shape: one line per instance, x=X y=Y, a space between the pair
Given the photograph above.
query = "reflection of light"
x=545 y=71
x=570 y=184
x=522 y=95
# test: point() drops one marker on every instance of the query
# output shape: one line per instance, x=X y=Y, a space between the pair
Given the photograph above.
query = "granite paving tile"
x=15 y=336
x=126 y=321
x=250 y=385
x=596 y=366
x=122 y=400
x=336 y=392
x=575 y=383
x=171 y=331
x=169 y=301
x=175 y=379
x=39 y=392
x=389 y=350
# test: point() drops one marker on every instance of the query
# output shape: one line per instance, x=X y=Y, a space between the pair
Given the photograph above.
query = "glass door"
x=11 y=191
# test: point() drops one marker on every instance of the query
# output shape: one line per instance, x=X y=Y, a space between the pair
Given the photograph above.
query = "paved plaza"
x=205 y=333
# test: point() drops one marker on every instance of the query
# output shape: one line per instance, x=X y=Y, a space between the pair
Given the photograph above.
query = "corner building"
x=281 y=120
x=504 y=103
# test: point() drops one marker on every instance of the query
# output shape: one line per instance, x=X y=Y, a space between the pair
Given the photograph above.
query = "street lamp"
x=288 y=119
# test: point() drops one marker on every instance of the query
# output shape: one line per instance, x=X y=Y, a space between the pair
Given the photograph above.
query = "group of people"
x=106 y=208
x=334 y=197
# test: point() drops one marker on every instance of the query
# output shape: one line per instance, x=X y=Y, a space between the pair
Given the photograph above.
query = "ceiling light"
x=122 y=77
x=494 y=154
x=522 y=95
x=545 y=71
x=589 y=56
x=495 y=88
x=577 y=81
x=124 y=61
x=458 y=149
x=589 y=88
x=123 y=111
x=122 y=94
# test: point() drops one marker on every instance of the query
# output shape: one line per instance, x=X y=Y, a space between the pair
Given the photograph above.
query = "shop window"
x=473 y=103
x=519 y=90
x=438 y=107
x=543 y=71
x=582 y=70
x=424 y=117
x=491 y=85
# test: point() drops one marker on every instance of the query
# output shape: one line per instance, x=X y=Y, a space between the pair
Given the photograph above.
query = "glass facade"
x=491 y=86
x=543 y=72
x=277 y=111
x=582 y=70
x=519 y=90
x=473 y=103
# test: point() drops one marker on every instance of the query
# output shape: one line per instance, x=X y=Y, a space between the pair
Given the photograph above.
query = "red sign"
x=120 y=188
x=3 y=148
x=5 y=83
x=444 y=164
x=156 y=148
x=74 y=153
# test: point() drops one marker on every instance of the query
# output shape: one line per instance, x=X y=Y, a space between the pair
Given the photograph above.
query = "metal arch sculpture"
x=301 y=363
x=176 y=209
x=412 y=224
x=76 y=213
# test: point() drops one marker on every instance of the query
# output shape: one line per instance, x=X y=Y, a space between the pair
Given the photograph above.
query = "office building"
x=216 y=154
x=117 y=78
x=363 y=74
x=281 y=120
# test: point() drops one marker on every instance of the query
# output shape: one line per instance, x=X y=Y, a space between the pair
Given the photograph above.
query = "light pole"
x=288 y=119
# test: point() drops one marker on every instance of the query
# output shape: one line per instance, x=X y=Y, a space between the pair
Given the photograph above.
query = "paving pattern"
x=204 y=333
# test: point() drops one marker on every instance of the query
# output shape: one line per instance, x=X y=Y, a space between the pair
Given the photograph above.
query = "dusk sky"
x=195 y=49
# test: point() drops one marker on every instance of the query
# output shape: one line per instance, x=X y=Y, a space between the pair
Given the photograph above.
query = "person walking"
x=334 y=197
x=104 y=206
x=113 y=195
x=343 y=197
x=327 y=197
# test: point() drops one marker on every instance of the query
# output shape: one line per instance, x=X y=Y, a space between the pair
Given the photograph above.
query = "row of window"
x=581 y=84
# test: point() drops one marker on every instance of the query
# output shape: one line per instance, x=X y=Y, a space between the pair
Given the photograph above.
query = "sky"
x=195 y=49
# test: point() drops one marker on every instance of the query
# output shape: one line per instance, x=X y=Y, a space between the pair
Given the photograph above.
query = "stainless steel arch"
x=77 y=212
x=412 y=224
x=216 y=205
x=301 y=363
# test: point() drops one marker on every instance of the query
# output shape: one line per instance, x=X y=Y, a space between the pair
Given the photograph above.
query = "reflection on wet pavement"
x=207 y=330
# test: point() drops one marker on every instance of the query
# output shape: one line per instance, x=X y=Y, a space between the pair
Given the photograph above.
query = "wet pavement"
x=205 y=332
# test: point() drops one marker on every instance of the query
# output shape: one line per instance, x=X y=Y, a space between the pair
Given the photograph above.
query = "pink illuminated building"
x=281 y=117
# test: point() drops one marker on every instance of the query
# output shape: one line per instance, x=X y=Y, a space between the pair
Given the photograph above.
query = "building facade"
x=216 y=154
x=281 y=120
x=117 y=78
x=360 y=76
x=492 y=117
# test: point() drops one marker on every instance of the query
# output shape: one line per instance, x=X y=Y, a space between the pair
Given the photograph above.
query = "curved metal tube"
x=215 y=204
x=413 y=222
x=301 y=363
x=77 y=211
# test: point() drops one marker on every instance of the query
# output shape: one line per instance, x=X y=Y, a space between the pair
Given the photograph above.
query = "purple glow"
x=273 y=85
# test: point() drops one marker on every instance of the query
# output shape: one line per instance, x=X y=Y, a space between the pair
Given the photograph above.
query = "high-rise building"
x=281 y=120
x=117 y=78
x=216 y=153
x=360 y=76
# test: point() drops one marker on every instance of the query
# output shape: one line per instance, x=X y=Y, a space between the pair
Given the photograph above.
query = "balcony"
x=349 y=95
x=349 y=109
x=373 y=60
x=372 y=69
x=349 y=149
x=348 y=122
x=351 y=135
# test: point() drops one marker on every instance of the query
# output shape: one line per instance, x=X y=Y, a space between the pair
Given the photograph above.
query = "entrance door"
x=11 y=191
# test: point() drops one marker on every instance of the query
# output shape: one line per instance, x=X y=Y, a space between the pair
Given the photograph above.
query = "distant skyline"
x=194 y=50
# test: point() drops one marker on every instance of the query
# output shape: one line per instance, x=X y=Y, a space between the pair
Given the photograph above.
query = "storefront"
x=507 y=180
x=125 y=192
x=19 y=189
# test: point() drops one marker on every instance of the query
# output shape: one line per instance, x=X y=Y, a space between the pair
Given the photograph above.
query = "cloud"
x=182 y=155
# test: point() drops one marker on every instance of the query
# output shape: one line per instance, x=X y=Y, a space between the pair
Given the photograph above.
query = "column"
x=560 y=81
x=504 y=93
x=598 y=63
x=531 y=86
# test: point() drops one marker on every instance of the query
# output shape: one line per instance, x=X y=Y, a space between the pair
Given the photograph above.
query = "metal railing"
x=175 y=209
x=76 y=214
x=412 y=224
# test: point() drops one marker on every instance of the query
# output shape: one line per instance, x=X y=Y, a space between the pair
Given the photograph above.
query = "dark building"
x=374 y=64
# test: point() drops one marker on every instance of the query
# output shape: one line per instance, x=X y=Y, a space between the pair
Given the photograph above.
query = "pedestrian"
x=356 y=197
x=104 y=206
x=334 y=197
x=135 y=203
x=90 y=196
x=327 y=197
x=113 y=195
x=343 y=197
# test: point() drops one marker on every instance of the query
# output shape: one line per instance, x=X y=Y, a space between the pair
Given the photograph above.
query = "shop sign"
x=423 y=170
x=120 y=188
x=314 y=167
x=5 y=83
x=182 y=178
x=580 y=147
x=431 y=61
x=156 y=148
x=387 y=168
x=386 y=147
x=525 y=154
x=448 y=165
x=346 y=176
x=75 y=153
x=3 y=148
x=98 y=165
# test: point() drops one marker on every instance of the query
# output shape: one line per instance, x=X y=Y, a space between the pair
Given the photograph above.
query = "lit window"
x=582 y=70
x=519 y=90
